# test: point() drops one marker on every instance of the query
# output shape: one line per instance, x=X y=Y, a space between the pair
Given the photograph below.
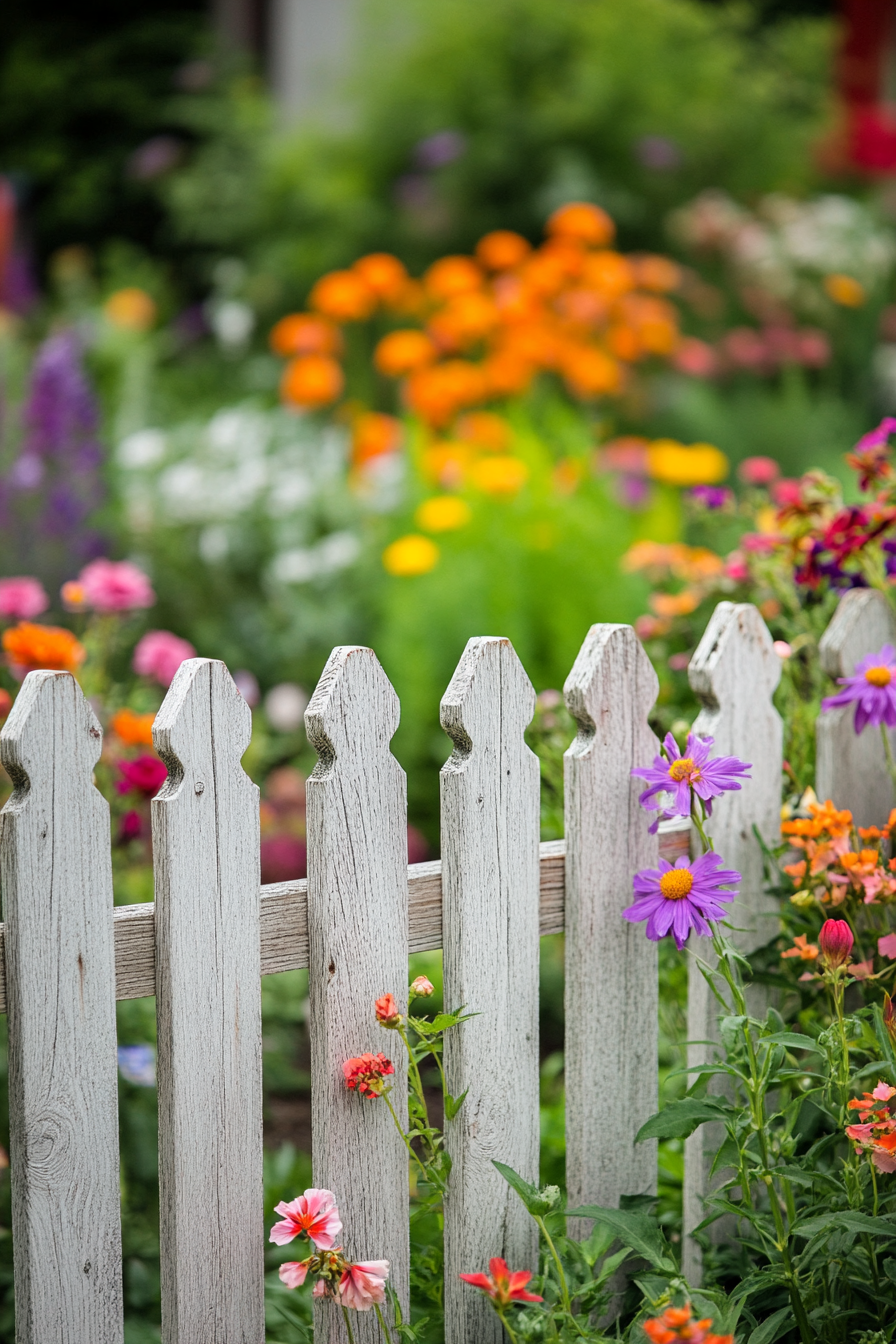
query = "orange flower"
x=452 y=275
x=448 y=463
x=384 y=274
x=590 y=373
x=134 y=729
x=609 y=273
x=625 y=342
x=504 y=475
x=343 y=296
x=73 y=595
x=31 y=646
x=486 y=430
x=465 y=319
x=545 y=273
x=677 y=1323
x=501 y=250
x=373 y=435
x=844 y=290
x=402 y=352
x=586 y=223
x=409 y=556
x=796 y=870
x=305 y=334
x=676 y=464
x=657 y=273
x=438 y=393
x=802 y=948
x=567 y=475
x=674 y=604
x=442 y=513
x=507 y=374
x=130 y=309
x=311 y=381
x=387 y=1013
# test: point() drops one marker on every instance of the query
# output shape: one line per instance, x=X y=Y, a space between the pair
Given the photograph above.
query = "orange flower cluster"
x=876 y=1131
x=135 y=730
x=484 y=327
x=698 y=567
x=29 y=646
x=678 y=1323
x=836 y=865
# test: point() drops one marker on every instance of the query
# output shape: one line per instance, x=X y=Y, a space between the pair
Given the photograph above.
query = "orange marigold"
x=305 y=334
x=373 y=435
x=344 y=296
x=402 y=352
x=134 y=729
x=384 y=274
x=586 y=223
x=501 y=250
x=311 y=381
x=438 y=393
x=30 y=646
x=465 y=319
x=452 y=275
x=591 y=373
x=507 y=373
x=674 y=604
x=609 y=273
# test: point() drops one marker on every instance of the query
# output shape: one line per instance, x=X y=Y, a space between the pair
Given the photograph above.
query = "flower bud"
x=802 y=899
x=421 y=987
x=835 y=941
x=387 y=1013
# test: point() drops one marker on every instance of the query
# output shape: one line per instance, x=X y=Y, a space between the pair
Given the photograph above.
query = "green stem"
x=564 y=1289
x=379 y=1315
x=701 y=831
x=404 y=1138
x=873 y=1184
x=843 y=1062
x=348 y=1325
x=504 y=1322
x=888 y=754
x=417 y=1087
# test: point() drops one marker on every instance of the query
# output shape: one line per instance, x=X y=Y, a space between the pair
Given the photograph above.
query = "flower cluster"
x=842 y=864
x=678 y=1323
x=366 y=1073
x=359 y=1285
x=875 y=1133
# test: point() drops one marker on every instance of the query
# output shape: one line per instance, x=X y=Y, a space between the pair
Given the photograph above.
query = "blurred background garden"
x=334 y=321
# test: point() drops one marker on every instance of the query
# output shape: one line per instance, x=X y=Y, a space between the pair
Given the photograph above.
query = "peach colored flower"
x=422 y=987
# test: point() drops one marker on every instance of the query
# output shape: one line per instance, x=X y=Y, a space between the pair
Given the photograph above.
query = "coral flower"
x=30 y=646
x=678 y=1323
x=802 y=948
x=313 y=1215
x=22 y=598
x=682 y=898
x=362 y=1285
x=502 y=1285
x=366 y=1073
x=422 y=987
x=872 y=688
x=115 y=585
x=676 y=774
x=387 y=1013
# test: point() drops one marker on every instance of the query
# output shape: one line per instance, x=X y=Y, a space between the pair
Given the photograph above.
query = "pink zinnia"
x=115 y=585
x=159 y=654
x=676 y=900
x=22 y=598
x=146 y=775
x=363 y=1285
x=313 y=1215
x=872 y=687
x=758 y=470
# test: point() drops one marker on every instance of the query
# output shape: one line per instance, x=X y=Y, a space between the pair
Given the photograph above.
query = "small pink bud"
x=421 y=987
x=835 y=941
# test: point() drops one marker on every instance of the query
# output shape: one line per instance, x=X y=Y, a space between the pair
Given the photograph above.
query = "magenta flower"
x=159 y=654
x=873 y=689
x=115 y=585
x=145 y=775
x=676 y=900
x=313 y=1215
x=676 y=775
x=22 y=599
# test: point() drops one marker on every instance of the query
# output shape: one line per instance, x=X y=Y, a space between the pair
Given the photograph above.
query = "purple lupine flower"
x=677 y=774
x=872 y=688
x=680 y=898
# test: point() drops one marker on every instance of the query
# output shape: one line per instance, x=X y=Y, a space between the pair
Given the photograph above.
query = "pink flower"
x=736 y=567
x=363 y=1285
x=293 y=1274
x=159 y=654
x=366 y=1073
x=758 y=470
x=21 y=599
x=115 y=585
x=422 y=987
x=146 y=775
x=886 y=946
x=835 y=942
x=313 y=1215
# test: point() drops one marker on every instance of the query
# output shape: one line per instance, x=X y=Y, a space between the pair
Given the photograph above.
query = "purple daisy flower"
x=678 y=774
x=676 y=900
x=873 y=689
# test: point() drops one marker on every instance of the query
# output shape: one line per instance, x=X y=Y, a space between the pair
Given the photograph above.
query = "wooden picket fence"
x=211 y=934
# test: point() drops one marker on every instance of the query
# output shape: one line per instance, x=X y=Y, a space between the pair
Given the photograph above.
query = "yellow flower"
x=845 y=290
x=675 y=464
x=131 y=309
x=443 y=513
x=503 y=475
x=410 y=555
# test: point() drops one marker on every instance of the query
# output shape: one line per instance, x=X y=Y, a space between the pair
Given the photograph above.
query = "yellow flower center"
x=683 y=769
x=676 y=884
x=879 y=676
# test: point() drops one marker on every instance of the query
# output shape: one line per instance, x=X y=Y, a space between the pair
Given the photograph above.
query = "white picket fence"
x=212 y=932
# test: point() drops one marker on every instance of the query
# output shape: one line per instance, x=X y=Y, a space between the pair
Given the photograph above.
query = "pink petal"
x=283 y=1233
x=886 y=946
x=293 y=1273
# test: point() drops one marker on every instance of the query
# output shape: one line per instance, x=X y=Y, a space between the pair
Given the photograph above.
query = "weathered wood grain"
x=490 y=922
x=206 y=851
x=734 y=672
x=57 y=894
x=358 y=950
x=611 y=967
x=851 y=769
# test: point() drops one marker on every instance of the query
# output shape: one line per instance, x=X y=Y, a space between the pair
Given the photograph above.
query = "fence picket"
x=490 y=924
x=734 y=672
x=851 y=769
x=60 y=961
x=358 y=950
x=206 y=850
x=611 y=968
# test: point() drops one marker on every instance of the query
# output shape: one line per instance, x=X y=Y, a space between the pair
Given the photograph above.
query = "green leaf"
x=537 y=1202
x=453 y=1104
x=638 y=1231
x=678 y=1119
x=793 y=1041
x=847 y=1220
x=774 y=1327
x=727 y=1156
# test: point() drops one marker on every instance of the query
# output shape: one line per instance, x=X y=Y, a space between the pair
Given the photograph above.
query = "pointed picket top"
x=206 y=849
x=852 y=770
x=611 y=967
x=490 y=931
x=358 y=951
x=56 y=867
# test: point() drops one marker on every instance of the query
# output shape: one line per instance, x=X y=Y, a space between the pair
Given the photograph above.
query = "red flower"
x=146 y=775
x=387 y=1011
x=835 y=943
x=366 y=1073
x=503 y=1287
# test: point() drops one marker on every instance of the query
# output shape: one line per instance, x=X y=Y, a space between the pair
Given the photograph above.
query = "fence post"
x=60 y=966
x=734 y=672
x=206 y=852
x=851 y=769
x=358 y=950
x=490 y=923
x=611 y=967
